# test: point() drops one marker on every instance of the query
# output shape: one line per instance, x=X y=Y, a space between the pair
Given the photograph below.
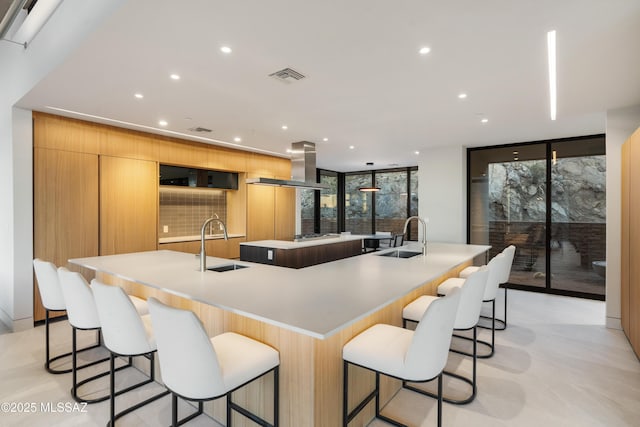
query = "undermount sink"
x=227 y=267
x=400 y=254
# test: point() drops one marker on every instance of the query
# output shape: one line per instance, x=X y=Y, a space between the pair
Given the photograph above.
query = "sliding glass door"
x=547 y=199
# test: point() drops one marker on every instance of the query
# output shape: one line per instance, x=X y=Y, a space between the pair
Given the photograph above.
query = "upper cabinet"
x=128 y=205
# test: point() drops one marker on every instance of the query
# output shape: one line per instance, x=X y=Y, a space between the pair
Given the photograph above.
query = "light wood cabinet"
x=260 y=212
x=285 y=213
x=65 y=209
x=128 y=205
x=630 y=251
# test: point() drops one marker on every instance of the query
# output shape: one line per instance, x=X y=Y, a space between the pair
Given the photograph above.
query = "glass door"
x=578 y=216
x=547 y=199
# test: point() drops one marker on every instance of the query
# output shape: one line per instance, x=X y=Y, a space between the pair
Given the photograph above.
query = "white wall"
x=621 y=123
x=21 y=70
x=442 y=192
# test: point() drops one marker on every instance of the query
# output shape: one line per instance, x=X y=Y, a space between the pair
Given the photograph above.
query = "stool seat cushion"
x=415 y=309
x=445 y=287
x=468 y=271
x=242 y=359
x=381 y=347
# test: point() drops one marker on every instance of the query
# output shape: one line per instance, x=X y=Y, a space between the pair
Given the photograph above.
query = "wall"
x=442 y=193
x=621 y=123
x=21 y=70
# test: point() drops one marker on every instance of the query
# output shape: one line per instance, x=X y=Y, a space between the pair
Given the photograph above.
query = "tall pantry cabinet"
x=630 y=262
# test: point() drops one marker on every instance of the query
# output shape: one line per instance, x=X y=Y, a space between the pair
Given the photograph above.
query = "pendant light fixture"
x=369 y=189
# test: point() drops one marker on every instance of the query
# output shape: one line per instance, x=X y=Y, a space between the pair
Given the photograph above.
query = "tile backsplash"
x=183 y=210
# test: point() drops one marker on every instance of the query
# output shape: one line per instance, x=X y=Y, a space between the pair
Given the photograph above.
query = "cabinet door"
x=285 y=213
x=260 y=212
x=65 y=209
x=634 y=242
x=128 y=205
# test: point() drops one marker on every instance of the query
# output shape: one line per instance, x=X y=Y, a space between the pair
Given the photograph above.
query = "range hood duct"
x=303 y=169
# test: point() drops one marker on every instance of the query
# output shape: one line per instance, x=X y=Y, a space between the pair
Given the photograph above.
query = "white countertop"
x=317 y=301
x=196 y=238
x=285 y=244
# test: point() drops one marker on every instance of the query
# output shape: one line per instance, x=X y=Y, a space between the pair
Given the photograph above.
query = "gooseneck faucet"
x=203 y=252
x=424 y=231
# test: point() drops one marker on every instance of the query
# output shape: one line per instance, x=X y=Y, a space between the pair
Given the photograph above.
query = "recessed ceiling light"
x=416 y=152
x=484 y=120
x=225 y=49
x=237 y=139
x=175 y=77
x=325 y=139
x=285 y=127
x=515 y=152
x=162 y=122
x=462 y=95
x=139 y=95
x=424 y=50
x=351 y=147
x=551 y=53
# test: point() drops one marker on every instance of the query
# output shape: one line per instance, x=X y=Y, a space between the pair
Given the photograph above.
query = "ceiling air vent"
x=200 y=129
x=287 y=75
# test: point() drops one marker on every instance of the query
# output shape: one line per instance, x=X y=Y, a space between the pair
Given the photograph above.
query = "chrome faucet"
x=215 y=215
x=424 y=231
x=203 y=252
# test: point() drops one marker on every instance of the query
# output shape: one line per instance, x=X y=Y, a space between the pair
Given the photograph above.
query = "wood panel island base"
x=306 y=314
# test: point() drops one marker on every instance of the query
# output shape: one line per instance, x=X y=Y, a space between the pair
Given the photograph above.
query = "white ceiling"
x=366 y=83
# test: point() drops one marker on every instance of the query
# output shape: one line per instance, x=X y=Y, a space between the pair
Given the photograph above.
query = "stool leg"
x=276 y=396
x=505 y=305
x=345 y=400
x=46 y=333
x=112 y=389
x=74 y=363
x=440 y=400
x=174 y=410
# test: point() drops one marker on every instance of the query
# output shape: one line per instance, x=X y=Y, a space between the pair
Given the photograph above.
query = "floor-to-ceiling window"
x=548 y=199
x=344 y=207
x=358 y=205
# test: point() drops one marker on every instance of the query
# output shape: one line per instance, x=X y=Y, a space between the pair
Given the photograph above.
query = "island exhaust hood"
x=303 y=169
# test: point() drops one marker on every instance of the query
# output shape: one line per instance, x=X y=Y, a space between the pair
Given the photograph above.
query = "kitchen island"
x=303 y=252
x=307 y=314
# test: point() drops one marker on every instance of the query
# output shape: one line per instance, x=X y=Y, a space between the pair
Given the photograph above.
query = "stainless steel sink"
x=400 y=254
x=227 y=267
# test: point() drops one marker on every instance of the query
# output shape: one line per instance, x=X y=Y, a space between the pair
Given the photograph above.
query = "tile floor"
x=555 y=365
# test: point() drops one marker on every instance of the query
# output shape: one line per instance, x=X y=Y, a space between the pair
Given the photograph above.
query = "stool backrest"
x=509 y=252
x=122 y=327
x=495 y=267
x=49 y=285
x=81 y=308
x=471 y=295
x=188 y=361
x=429 y=348
x=398 y=240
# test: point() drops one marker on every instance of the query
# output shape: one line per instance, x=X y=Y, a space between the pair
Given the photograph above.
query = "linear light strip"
x=551 y=50
x=167 y=131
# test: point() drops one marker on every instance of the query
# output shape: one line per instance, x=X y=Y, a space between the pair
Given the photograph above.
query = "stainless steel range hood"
x=303 y=169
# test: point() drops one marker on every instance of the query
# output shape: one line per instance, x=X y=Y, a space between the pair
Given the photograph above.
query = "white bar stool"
x=53 y=300
x=83 y=315
x=410 y=356
x=198 y=368
x=467 y=316
x=509 y=252
x=127 y=334
x=490 y=291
